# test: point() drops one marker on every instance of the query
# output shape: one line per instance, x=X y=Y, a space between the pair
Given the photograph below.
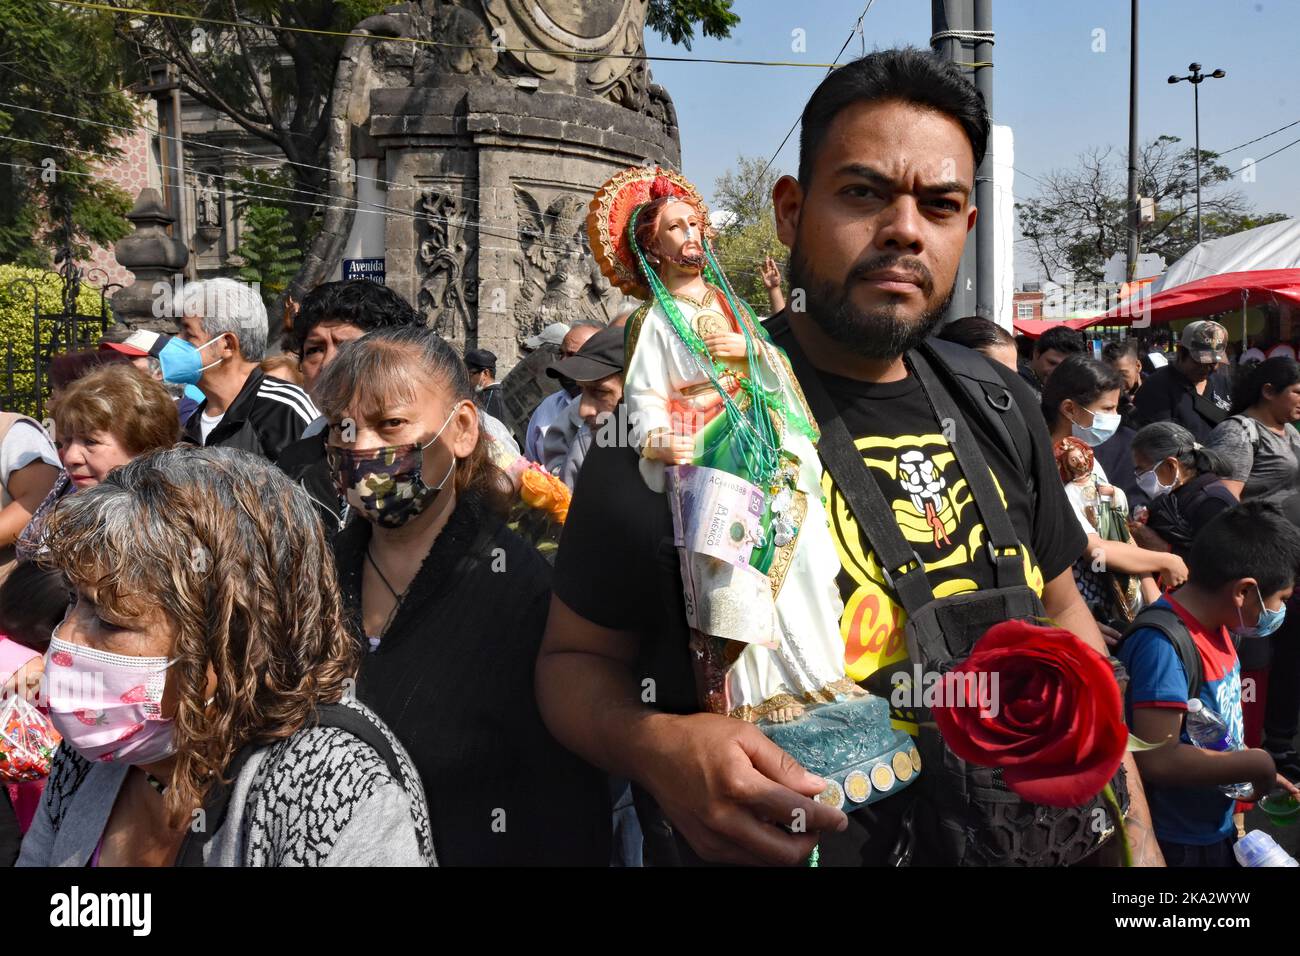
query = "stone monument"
x=491 y=133
x=156 y=259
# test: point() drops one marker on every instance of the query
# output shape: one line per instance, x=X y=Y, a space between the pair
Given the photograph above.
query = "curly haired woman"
x=201 y=681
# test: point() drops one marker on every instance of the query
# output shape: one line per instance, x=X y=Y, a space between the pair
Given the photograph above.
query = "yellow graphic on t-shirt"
x=936 y=515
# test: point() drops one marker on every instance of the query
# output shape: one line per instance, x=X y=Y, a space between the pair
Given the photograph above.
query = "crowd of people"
x=291 y=591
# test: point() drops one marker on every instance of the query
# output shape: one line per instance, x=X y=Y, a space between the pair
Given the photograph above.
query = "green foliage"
x=741 y=251
x=55 y=60
x=749 y=235
x=746 y=193
x=675 y=20
x=1078 y=220
x=273 y=84
x=16 y=324
x=269 y=252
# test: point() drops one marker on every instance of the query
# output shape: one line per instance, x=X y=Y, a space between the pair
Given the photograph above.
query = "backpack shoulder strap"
x=989 y=396
x=1003 y=542
x=217 y=801
x=1250 y=428
x=363 y=728
x=903 y=569
x=9 y=419
x=1168 y=623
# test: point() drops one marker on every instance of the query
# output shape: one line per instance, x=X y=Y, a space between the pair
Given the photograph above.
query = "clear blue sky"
x=1058 y=95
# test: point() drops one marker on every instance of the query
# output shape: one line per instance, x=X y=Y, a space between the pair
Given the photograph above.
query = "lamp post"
x=1196 y=77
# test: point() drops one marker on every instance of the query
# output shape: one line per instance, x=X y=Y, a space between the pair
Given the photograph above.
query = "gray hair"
x=1161 y=440
x=226 y=306
x=175 y=389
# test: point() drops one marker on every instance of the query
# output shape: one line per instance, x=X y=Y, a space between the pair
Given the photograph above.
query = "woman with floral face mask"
x=205 y=644
x=449 y=607
x=1081 y=406
x=1181 y=477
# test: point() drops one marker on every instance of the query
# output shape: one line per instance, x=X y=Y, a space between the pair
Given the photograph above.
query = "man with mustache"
x=876 y=221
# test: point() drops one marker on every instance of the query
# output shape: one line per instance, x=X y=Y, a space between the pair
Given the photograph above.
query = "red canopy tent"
x=1036 y=327
x=1208 y=296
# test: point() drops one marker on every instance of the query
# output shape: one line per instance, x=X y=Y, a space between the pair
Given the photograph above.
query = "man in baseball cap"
x=553 y=335
x=600 y=357
x=140 y=344
x=1192 y=390
x=482 y=366
x=1206 y=342
x=597 y=368
x=166 y=358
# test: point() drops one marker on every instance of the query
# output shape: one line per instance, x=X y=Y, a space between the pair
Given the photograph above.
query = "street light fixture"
x=1196 y=77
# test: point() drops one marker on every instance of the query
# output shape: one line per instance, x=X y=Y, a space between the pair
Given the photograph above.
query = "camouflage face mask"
x=385 y=484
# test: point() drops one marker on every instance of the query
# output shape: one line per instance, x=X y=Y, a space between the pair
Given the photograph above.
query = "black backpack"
x=1168 y=623
x=966 y=815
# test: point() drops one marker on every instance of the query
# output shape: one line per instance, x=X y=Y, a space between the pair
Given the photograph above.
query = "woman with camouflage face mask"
x=449 y=606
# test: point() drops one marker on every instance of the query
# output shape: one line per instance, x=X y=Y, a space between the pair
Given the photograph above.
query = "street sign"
x=372 y=269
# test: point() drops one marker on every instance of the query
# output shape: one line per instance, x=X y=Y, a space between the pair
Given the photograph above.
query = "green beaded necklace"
x=755 y=432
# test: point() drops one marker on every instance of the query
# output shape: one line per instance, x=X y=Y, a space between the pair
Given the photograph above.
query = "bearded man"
x=876 y=221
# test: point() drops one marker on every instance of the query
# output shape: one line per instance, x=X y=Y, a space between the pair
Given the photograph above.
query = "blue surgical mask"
x=1269 y=620
x=182 y=363
x=1104 y=425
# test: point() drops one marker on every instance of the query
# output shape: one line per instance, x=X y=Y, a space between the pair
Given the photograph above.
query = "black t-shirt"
x=617 y=565
x=1167 y=395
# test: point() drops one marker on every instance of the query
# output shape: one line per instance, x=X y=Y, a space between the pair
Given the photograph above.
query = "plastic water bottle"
x=1208 y=731
x=1257 y=848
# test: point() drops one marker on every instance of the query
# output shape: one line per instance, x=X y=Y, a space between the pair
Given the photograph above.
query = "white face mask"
x=1104 y=425
x=1149 y=481
x=204 y=368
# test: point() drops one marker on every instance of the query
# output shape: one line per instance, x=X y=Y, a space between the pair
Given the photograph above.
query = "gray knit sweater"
x=322 y=797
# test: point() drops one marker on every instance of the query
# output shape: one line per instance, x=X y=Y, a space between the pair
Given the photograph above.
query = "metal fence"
x=24 y=374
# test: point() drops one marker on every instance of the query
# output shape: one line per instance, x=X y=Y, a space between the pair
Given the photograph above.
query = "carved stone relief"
x=561 y=281
x=448 y=289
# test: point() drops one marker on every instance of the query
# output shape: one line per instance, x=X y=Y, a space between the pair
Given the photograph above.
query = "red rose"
x=1055 y=726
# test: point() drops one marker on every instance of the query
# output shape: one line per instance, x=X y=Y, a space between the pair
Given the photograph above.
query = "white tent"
x=1275 y=246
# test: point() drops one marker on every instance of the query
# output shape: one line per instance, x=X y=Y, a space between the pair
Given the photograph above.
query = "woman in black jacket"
x=1181 y=479
x=450 y=606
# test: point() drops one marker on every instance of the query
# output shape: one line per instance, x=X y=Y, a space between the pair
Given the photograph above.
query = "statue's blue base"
x=852 y=744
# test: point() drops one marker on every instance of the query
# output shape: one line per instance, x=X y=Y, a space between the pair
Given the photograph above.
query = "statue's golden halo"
x=608 y=215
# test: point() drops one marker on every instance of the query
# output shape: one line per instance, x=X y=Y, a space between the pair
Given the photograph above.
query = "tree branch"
x=250 y=69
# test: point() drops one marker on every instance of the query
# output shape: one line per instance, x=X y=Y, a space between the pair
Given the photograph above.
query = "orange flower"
x=545 y=492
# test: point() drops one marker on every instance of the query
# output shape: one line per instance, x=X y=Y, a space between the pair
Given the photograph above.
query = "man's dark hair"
x=1114 y=351
x=1252 y=540
x=32 y=602
x=908 y=75
x=1080 y=378
x=360 y=302
x=1059 y=338
x=976 y=332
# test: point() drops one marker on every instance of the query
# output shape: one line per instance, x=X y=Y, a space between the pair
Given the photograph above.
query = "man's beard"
x=879 y=334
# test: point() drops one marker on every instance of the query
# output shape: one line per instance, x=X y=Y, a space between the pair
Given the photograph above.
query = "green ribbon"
x=754 y=432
